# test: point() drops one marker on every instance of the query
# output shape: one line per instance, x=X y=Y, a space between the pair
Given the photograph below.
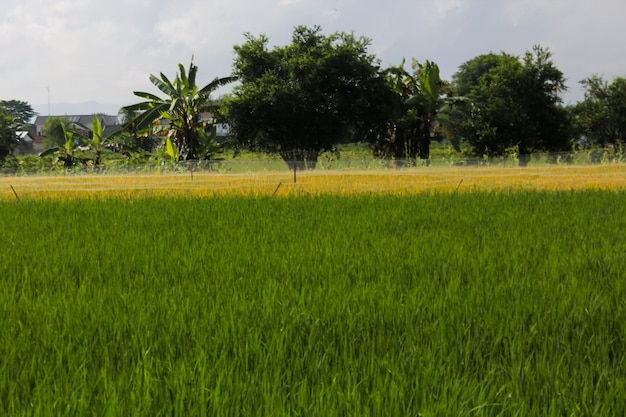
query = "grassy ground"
x=507 y=303
x=353 y=156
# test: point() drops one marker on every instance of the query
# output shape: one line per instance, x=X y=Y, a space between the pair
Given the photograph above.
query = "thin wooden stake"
x=295 y=166
x=15 y=192
x=458 y=185
x=276 y=190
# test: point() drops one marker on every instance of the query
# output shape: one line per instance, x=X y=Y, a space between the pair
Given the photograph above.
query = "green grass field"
x=468 y=304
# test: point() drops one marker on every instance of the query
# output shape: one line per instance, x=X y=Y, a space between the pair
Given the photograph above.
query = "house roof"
x=83 y=120
x=110 y=124
x=109 y=130
x=23 y=136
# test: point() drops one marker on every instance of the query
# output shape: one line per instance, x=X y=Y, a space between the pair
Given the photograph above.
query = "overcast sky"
x=102 y=51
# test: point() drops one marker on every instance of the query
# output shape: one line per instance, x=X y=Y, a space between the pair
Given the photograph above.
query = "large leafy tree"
x=8 y=139
x=513 y=103
x=419 y=98
x=601 y=116
x=14 y=115
x=182 y=109
x=306 y=97
x=470 y=73
x=21 y=111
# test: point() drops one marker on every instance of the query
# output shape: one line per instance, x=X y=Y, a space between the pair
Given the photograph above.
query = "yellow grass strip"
x=391 y=181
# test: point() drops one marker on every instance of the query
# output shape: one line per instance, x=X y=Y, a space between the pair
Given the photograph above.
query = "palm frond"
x=193 y=70
x=163 y=84
x=145 y=119
x=217 y=83
x=183 y=78
x=148 y=96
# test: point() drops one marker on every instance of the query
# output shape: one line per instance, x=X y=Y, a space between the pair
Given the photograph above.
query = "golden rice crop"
x=338 y=182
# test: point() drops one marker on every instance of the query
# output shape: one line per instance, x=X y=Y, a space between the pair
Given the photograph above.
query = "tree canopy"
x=513 y=103
x=601 y=116
x=308 y=96
x=14 y=116
x=21 y=111
x=8 y=139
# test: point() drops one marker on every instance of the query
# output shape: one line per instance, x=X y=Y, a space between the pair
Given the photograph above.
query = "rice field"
x=353 y=294
x=338 y=182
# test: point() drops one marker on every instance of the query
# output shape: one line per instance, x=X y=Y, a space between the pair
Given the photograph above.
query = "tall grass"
x=508 y=304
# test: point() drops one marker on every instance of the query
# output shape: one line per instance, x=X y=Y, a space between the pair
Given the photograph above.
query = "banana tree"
x=67 y=152
x=420 y=94
x=427 y=101
x=182 y=107
x=98 y=142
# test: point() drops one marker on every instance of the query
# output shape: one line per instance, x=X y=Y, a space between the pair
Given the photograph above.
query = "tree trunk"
x=424 y=144
x=187 y=144
x=300 y=160
x=524 y=156
x=424 y=148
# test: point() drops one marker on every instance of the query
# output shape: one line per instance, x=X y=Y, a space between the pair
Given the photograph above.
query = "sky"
x=96 y=52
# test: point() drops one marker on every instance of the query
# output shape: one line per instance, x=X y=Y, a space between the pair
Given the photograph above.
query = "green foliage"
x=449 y=304
x=171 y=150
x=24 y=165
x=93 y=149
x=513 y=103
x=21 y=111
x=54 y=132
x=601 y=117
x=98 y=142
x=131 y=137
x=470 y=73
x=8 y=139
x=306 y=97
x=66 y=154
x=418 y=102
x=182 y=109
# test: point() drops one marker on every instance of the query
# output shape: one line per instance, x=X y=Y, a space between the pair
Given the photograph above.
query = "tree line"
x=321 y=91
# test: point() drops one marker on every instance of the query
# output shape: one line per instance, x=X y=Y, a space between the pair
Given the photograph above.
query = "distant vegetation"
x=319 y=92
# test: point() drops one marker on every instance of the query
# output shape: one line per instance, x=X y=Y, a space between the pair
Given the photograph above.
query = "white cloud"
x=445 y=6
